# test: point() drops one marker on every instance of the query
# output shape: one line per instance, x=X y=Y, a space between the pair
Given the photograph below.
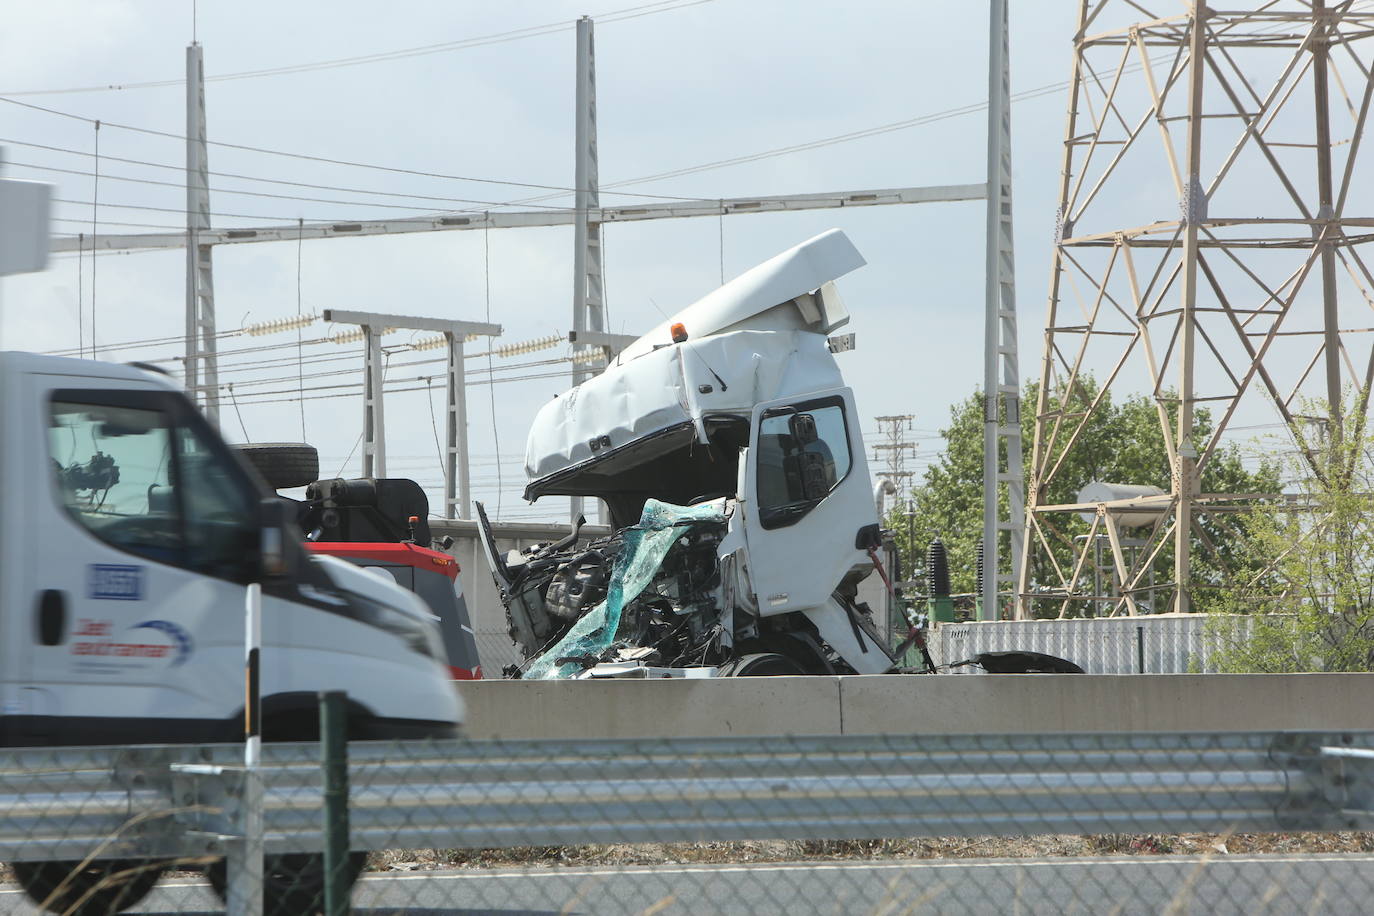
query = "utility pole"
x=1002 y=461
x=201 y=359
x=894 y=450
x=589 y=312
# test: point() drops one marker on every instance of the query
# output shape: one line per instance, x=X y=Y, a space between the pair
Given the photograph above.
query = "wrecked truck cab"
x=727 y=449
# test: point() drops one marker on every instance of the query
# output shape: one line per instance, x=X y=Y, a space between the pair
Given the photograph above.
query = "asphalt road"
x=1138 y=884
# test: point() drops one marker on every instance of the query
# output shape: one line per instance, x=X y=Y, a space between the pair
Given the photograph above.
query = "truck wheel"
x=760 y=664
x=293 y=883
x=98 y=889
x=283 y=464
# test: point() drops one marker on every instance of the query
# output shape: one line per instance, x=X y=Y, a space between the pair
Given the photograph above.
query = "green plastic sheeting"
x=644 y=547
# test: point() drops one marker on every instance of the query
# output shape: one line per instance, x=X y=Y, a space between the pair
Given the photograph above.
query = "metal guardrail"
x=181 y=801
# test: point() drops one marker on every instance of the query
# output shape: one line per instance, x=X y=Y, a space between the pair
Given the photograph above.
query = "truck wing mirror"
x=802 y=427
x=276 y=556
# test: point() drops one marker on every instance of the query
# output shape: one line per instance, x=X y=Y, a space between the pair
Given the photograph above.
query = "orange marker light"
x=679 y=332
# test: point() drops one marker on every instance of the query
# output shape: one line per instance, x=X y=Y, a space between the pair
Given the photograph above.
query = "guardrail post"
x=334 y=762
x=243 y=868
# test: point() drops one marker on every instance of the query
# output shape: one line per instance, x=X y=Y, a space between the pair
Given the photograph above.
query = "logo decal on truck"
x=115 y=583
x=100 y=649
x=180 y=638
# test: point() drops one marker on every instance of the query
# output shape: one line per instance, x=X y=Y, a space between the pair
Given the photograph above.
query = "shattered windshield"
x=637 y=594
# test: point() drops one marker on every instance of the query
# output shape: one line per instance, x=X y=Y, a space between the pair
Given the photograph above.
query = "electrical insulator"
x=937 y=569
x=430 y=343
x=528 y=346
x=979 y=556
x=278 y=325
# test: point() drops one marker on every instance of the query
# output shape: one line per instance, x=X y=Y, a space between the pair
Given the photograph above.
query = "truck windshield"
x=144 y=484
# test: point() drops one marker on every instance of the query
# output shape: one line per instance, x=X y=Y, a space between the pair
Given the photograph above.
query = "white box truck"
x=128 y=533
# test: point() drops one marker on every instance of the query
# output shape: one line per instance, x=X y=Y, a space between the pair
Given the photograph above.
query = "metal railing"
x=179 y=802
x=151 y=801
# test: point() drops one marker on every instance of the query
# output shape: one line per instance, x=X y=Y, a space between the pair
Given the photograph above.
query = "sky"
x=680 y=84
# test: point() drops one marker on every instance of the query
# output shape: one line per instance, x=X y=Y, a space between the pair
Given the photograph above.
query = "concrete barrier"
x=918 y=704
x=656 y=708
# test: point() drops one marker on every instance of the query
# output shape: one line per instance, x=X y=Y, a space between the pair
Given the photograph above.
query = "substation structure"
x=1248 y=306
x=592 y=345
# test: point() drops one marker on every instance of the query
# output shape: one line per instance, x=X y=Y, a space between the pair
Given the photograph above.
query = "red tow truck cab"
x=431 y=575
x=381 y=524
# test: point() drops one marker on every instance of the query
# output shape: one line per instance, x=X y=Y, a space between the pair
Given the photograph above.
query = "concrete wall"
x=919 y=704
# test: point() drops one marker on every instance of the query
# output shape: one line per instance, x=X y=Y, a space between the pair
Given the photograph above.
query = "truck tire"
x=292 y=883
x=283 y=464
x=760 y=664
x=98 y=889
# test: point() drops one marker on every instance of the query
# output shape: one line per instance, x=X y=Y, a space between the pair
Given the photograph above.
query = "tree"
x=1310 y=602
x=1123 y=443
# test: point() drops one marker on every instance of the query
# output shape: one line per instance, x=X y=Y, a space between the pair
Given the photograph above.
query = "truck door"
x=143 y=532
x=807 y=497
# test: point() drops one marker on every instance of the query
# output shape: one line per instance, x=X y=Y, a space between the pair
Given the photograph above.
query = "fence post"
x=334 y=762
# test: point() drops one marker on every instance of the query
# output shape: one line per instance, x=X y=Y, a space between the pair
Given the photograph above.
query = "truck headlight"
x=419 y=635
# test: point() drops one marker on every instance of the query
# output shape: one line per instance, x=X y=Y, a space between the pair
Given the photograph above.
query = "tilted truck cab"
x=729 y=453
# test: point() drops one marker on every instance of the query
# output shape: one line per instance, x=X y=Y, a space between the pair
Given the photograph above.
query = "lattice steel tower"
x=1212 y=250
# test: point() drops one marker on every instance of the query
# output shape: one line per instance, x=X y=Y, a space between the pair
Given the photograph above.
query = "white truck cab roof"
x=759 y=337
x=19 y=362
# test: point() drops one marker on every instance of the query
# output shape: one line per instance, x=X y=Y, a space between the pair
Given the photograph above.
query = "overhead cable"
x=295 y=184
x=648 y=9
x=317 y=200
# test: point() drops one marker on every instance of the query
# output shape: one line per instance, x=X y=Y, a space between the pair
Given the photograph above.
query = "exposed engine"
x=673 y=620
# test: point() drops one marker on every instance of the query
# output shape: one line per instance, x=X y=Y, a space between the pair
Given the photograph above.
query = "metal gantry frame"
x=589 y=306
x=1249 y=303
x=457 y=475
x=587 y=216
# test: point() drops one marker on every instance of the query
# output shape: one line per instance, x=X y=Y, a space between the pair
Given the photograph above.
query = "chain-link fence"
x=1243 y=823
x=1149 y=644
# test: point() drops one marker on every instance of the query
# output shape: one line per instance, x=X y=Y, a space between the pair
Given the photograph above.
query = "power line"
x=179 y=168
x=267 y=194
x=151 y=209
x=322 y=159
x=648 y=9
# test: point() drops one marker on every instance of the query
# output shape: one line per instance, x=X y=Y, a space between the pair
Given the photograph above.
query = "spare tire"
x=283 y=464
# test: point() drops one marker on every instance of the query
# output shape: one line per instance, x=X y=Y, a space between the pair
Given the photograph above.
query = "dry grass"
x=735 y=853
x=933 y=848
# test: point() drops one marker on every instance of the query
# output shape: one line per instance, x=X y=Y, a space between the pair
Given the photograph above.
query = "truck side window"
x=138 y=480
x=794 y=474
x=114 y=468
x=221 y=520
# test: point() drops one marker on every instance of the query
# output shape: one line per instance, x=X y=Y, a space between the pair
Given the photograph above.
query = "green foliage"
x=1312 y=598
x=1122 y=443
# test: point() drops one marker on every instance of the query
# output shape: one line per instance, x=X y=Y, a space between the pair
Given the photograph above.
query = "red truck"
x=380 y=524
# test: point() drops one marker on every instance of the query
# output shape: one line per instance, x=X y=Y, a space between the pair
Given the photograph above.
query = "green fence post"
x=334 y=762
